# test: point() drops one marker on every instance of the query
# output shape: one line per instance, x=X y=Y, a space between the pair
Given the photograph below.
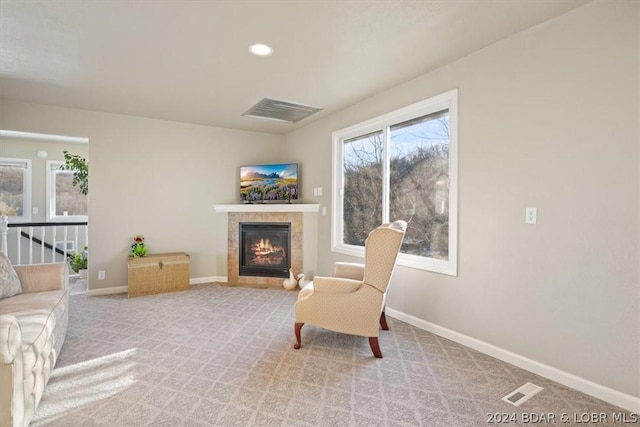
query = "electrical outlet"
x=101 y=275
x=531 y=215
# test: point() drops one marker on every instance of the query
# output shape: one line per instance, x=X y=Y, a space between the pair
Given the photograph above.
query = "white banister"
x=30 y=245
x=65 y=228
x=43 y=234
x=18 y=239
x=4 y=226
x=76 y=239
x=53 y=239
x=42 y=238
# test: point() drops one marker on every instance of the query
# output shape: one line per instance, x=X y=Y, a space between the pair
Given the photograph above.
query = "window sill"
x=412 y=261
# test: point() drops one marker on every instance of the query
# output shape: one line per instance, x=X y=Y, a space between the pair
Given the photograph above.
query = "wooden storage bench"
x=157 y=273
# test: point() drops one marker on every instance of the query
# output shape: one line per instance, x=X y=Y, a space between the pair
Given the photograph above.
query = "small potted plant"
x=78 y=262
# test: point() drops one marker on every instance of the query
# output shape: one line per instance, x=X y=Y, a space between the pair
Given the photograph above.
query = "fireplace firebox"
x=265 y=249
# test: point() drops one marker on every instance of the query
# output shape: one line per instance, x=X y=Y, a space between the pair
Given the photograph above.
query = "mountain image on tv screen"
x=264 y=183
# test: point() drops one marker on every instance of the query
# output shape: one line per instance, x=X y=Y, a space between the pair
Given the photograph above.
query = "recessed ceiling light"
x=260 y=49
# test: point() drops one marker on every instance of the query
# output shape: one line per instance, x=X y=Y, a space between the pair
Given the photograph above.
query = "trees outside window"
x=64 y=200
x=15 y=189
x=402 y=165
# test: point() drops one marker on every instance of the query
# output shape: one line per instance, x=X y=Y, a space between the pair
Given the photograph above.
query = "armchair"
x=352 y=301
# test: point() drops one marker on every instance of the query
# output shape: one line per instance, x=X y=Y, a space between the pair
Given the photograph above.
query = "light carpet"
x=218 y=355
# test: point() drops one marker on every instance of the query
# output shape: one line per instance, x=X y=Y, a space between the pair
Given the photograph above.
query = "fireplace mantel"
x=267 y=207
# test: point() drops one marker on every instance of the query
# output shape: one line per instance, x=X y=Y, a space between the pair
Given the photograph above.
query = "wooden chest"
x=156 y=273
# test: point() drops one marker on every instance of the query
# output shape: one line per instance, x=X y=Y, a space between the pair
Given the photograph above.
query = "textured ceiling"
x=189 y=61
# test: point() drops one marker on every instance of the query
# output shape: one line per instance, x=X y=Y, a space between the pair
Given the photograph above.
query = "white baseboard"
x=125 y=289
x=598 y=391
x=107 y=291
x=210 y=279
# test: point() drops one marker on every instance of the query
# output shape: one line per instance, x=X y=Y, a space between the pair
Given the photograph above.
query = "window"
x=64 y=201
x=402 y=165
x=15 y=189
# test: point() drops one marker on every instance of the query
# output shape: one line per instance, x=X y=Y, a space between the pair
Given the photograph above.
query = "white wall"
x=547 y=118
x=151 y=177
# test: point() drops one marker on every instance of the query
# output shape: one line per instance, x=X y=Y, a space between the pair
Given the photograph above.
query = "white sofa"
x=33 y=326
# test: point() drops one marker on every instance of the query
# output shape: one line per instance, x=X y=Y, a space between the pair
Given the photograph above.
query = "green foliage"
x=79 y=260
x=80 y=168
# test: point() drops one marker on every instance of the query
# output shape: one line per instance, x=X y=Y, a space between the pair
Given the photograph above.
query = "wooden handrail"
x=46 y=224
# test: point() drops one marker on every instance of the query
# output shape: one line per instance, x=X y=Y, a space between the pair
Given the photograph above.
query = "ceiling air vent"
x=284 y=111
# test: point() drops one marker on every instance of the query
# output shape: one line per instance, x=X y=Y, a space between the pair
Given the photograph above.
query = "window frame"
x=27 y=192
x=383 y=123
x=51 y=195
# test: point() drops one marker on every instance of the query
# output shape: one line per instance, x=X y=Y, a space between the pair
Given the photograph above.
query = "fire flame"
x=264 y=252
x=264 y=247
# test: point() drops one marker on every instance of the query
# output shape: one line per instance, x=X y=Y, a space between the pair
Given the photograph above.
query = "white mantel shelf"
x=268 y=207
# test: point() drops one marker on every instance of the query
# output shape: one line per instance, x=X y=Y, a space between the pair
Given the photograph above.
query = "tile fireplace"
x=257 y=276
x=303 y=218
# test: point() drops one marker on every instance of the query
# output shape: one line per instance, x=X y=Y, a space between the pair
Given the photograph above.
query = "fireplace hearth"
x=264 y=249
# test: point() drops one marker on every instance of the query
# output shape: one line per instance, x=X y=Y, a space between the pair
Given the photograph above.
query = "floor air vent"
x=522 y=394
x=284 y=111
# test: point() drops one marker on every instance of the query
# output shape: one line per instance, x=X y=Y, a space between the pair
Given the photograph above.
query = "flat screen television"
x=269 y=183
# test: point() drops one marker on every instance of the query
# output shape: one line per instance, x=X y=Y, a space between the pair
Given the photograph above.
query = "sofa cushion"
x=9 y=282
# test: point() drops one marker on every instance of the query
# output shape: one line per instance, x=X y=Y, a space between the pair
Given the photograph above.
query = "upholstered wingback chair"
x=352 y=301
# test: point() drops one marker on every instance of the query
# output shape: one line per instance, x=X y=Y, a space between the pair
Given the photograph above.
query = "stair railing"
x=42 y=236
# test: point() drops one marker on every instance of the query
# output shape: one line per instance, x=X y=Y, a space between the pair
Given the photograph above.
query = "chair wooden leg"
x=375 y=347
x=383 y=322
x=297 y=332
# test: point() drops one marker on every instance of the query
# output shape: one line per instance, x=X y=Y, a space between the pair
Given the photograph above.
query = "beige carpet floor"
x=223 y=356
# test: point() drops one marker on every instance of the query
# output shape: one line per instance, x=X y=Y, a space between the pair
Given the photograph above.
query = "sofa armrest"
x=11 y=367
x=43 y=277
x=10 y=339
